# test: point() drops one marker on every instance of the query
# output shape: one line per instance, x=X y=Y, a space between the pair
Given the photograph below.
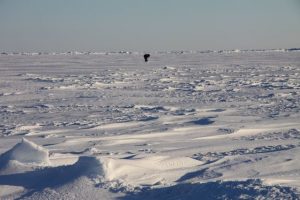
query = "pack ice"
x=185 y=125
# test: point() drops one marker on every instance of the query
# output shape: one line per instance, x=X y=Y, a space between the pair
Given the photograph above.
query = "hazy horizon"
x=139 y=25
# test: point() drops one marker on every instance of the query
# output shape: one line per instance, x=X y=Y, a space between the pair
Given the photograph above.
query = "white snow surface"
x=185 y=125
x=27 y=152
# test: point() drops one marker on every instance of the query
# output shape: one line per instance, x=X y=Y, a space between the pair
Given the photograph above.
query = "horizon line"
x=152 y=51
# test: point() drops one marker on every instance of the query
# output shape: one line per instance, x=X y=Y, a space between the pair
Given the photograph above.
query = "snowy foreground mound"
x=26 y=152
x=185 y=125
x=23 y=155
x=90 y=174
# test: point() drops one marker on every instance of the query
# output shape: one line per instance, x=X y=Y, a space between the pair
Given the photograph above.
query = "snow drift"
x=179 y=127
x=23 y=155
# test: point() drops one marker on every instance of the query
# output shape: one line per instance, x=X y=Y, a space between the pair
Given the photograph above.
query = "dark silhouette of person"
x=146 y=56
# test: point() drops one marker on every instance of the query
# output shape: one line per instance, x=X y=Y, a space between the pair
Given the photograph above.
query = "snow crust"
x=215 y=125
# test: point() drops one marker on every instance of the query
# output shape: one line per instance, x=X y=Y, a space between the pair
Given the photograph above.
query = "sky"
x=147 y=25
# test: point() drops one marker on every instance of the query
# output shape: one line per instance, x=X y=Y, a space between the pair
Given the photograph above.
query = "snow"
x=185 y=125
x=147 y=170
x=26 y=152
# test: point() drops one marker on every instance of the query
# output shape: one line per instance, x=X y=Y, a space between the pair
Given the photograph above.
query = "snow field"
x=215 y=125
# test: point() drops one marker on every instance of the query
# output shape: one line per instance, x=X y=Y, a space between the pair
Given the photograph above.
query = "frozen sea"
x=185 y=125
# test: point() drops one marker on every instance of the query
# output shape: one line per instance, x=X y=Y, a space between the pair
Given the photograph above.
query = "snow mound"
x=46 y=178
x=89 y=166
x=25 y=152
x=147 y=170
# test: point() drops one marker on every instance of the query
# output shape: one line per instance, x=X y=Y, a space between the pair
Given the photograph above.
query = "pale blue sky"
x=147 y=25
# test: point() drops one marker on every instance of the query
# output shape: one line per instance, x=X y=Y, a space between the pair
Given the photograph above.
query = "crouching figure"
x=146 y=56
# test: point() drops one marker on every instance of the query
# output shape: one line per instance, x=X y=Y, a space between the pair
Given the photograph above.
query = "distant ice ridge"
x=67 y=53
x=156 y=52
